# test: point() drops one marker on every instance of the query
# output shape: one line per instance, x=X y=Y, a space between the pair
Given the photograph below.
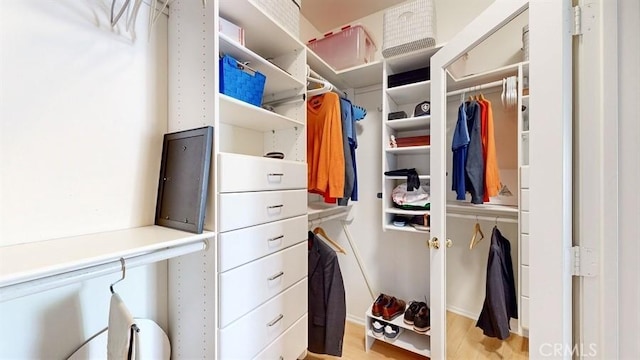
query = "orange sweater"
x=492 y=172
x=325 y=156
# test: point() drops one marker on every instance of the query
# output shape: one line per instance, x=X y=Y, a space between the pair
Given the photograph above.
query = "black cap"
x=424 y=108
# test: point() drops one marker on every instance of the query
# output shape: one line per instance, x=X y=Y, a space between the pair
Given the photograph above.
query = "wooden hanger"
x=320 y=231
x=476 y=231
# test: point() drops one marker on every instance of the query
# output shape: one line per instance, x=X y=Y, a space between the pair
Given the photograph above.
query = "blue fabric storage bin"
x=240 y=81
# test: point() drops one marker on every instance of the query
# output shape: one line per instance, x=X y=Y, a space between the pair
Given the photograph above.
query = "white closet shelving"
x=258 y=205
x=404 y=98
x=351 y=78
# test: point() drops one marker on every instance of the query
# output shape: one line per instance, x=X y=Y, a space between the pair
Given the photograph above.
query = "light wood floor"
x=464 y=341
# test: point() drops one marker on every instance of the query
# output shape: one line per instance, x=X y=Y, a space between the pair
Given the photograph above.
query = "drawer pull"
x=275 y=321
x=275 y=174
x=271 y=278
x=275 y=206
x=276 y=238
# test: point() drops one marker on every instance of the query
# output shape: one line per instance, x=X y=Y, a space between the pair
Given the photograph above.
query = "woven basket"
x=409 y=27
x=240 y=81
x=284 y=12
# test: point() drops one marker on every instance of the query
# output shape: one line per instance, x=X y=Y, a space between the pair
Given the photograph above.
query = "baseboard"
x=355 y=319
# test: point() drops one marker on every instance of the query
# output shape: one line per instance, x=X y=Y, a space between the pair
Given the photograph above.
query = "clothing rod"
x=475 y=88
x=485 y=218
x=320 y=220
x=289 y=99
x=316 y=75
x=30 y=287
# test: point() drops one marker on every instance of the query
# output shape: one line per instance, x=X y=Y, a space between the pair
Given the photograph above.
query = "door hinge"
x=584 y=262
x=577 y=20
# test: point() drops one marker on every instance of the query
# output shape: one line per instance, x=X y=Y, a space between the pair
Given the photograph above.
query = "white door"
x=550 y=174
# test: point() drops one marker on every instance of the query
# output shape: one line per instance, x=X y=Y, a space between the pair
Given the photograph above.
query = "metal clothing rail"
x=475 y=88
x=29 y=287
x=485 y=218
x=317 y=76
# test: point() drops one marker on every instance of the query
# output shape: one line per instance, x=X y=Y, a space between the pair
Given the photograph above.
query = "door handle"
x=434 y=243
x=449 y=243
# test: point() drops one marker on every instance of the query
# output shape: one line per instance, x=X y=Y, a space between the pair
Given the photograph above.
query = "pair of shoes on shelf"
x=389 y=307
x=381 y=328
x=418 y=315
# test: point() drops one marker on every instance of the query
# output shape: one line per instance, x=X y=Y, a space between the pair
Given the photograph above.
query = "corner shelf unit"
x=355 y=77
x=408 y=339
x=404 y=98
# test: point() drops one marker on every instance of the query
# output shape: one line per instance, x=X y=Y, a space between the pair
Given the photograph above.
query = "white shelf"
x=397 y=211
x=319 y=210
x=262 y=34
x=410 y=150
x=409 y=339
x=354 y=77
x=421 y=177
x=408 y=124
x=35 y=260
x=239 y=113
x=411 y=93
x=482 y=209
x=277 y=80
x=413 y=60
x=407 y=228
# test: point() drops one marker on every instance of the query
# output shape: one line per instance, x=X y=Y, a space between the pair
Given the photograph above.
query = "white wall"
x=83 y=112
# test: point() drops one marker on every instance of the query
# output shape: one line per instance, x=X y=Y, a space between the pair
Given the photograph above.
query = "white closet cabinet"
x=253 y=301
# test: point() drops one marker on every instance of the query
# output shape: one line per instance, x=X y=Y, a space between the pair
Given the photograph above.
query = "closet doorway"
x=480 y=245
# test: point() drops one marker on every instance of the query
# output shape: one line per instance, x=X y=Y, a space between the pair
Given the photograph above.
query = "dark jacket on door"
x=327 y=307
x=500 y=299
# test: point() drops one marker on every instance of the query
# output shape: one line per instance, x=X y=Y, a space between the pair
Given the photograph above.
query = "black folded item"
x=413 y=181
x=274 y=155
x=409 y=77
x=397 y=115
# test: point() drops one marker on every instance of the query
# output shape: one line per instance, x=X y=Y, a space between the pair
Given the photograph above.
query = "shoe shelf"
x=408 y=339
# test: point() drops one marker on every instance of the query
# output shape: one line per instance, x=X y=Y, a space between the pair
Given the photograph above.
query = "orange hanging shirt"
x=491 y=171
x=325 y=154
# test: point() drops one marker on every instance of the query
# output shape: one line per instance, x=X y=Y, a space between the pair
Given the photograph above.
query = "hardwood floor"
x=464 y=341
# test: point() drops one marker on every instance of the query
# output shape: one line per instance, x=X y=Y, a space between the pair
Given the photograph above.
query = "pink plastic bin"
x=350 y=47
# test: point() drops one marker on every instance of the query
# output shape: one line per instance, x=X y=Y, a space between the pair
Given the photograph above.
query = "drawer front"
x=524 y=217
x=524 y=249
x=524 y=288
x=524 y=177
x=524 y=200
x=251 y=173
x=289 y=345
x=524 y=312
x=239 y=247
x=245 y=338
x=244 y=288
x=240 y=210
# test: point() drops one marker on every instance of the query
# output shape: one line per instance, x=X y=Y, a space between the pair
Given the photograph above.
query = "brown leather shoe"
x=379 y=304
x=394 y=308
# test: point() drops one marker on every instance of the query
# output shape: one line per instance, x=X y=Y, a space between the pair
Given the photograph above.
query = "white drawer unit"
x=524 y=312
x=524 y=200
x=239 y=247
x=237 y=173
x=239 y=210
x=245 y=338
x=524 y=276
x=289 y=345
x=244 y=288
x=524 y=218
x=524 y=249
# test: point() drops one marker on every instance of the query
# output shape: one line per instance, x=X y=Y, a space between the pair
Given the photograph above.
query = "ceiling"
x=326 y=15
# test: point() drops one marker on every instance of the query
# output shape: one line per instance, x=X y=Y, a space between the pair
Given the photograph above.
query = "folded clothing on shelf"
x=410 y=141
x=418 y=198
x=413 y=180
